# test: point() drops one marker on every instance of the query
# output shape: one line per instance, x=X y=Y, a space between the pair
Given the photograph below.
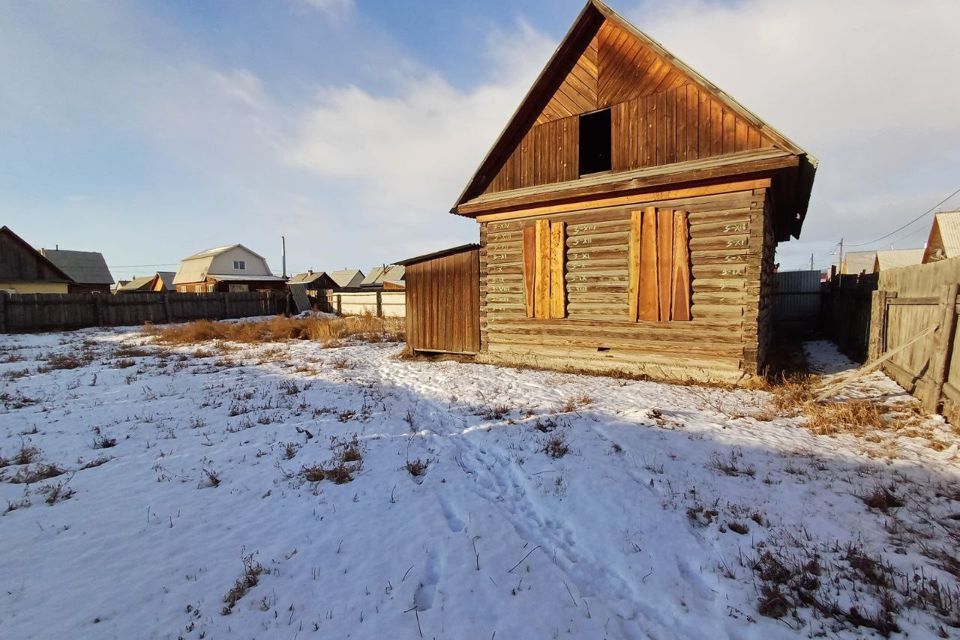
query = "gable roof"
x=211 y=253
x=947 y=226
x=347 y=277
x=84 y=267
x=572 y=64
x=139 y=283
x=42 y=261
x=311 y=277
x=855 y=262
x=377 y=275
x=893 y=258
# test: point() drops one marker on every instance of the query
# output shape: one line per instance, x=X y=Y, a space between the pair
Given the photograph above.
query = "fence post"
x=878 y=318
x=379 y=305
x=3 y=311
x=167 y=313
x=225 y=297
x=339 y=304
x=97 y=321
x=942 y=340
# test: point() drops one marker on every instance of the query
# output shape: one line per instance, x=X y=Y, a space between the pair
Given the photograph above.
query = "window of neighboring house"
x=595 y=142
x=239 y=265
x=238 y=287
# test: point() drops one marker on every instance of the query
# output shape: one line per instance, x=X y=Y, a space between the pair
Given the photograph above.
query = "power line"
x=134 y=266
x=901 y=228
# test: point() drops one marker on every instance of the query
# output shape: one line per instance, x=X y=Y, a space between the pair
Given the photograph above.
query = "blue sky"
x=151 y=130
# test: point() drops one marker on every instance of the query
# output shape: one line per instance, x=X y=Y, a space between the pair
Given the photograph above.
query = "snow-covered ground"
x=552 y=505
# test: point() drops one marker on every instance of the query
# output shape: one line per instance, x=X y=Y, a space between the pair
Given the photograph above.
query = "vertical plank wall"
x=726 y=337
x=443 y=304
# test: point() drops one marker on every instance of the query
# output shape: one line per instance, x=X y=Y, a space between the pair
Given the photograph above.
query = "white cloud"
x=409 y=155
x=865 y=86
x=337 y=9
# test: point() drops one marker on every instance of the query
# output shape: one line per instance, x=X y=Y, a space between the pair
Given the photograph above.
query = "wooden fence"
x=915 y=314
x=32 y=312
x=382 y=304
x=847 y=312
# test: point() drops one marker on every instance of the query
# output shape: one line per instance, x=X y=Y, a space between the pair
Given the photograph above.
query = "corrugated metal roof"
x=347 y=277
x=858 y=262
x=949 y=224
x=898 y=258
x=85 y=267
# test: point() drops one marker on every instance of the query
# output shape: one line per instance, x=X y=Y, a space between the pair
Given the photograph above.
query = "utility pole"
x=840 y=261
x=283 y=240
x=811 y=262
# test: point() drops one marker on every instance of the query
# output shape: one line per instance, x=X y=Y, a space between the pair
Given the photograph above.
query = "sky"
x=152 y=130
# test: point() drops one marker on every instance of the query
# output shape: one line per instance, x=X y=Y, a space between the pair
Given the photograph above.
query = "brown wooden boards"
x=558 y=302
x=633 y=290
x=665 y=249
x=530 y=268
x=649 y=305
x=659 y=266
x=542 y=284
x=680 y=297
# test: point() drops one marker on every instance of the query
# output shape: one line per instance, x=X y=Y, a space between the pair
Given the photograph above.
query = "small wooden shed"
x=629 y=214
x=443 y=301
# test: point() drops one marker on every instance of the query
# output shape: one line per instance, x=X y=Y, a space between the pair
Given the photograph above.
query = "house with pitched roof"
x=23 y=269
x=87 y=269
x=629 y=214
x=944 y=240
x=159 y=282
x=230 y=268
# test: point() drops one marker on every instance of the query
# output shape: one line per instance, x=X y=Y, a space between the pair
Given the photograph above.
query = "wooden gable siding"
x=578 y=92
x=658 y=116
x=20 y=262
x=728 y=255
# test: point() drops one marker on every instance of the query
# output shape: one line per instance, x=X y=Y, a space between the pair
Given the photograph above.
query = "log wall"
x=731 y=255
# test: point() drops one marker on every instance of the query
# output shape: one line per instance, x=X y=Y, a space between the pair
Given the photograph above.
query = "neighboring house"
x=314 y=282
x=23 y=269
x=389 y=277
x=347 y=278
x=894 y=258
x=87 y=269
x=629 y=215
x=161 y=281
x=857 y=262
x=230 y=268
x=944 y=240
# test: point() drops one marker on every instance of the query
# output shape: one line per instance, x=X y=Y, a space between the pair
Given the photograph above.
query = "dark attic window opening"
x=595 y=141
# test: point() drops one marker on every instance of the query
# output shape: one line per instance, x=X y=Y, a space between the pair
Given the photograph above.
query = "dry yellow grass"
x=279 y=329
x=854 y=416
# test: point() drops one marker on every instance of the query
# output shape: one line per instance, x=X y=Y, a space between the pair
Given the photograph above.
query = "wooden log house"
x=629 y=214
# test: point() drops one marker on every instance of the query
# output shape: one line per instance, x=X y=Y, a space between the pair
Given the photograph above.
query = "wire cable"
x=901 y=228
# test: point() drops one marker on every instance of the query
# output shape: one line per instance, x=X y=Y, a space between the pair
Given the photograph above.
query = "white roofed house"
x=229 y=268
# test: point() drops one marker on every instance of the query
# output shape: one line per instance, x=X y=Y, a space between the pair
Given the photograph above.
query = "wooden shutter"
x=544 y=262
x=659 y=268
